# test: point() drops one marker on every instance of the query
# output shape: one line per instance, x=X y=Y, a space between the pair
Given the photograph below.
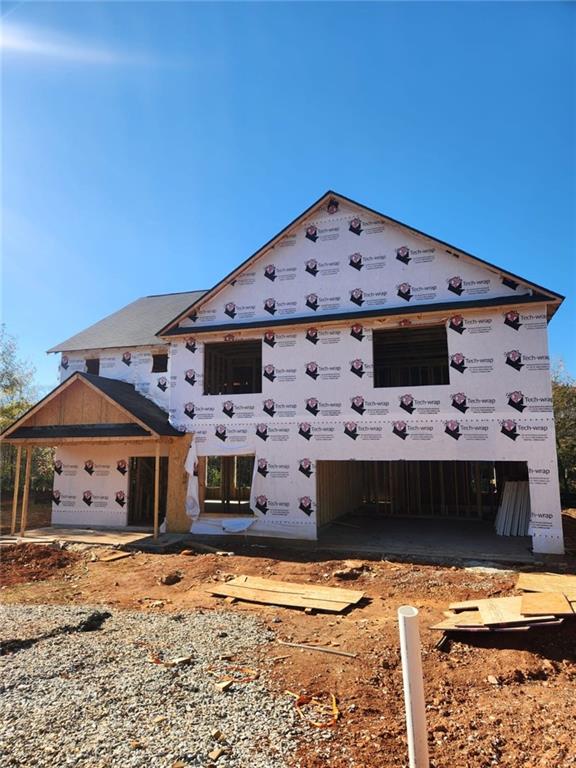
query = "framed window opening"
x=233 y=368
x=411 y=357
x=93 y=365
x=160 y=363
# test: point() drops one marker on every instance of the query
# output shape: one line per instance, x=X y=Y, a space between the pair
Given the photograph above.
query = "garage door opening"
x=417 y=508
x=451 y=490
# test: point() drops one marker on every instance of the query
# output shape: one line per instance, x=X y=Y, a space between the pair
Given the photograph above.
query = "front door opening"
x=228 y=483
x=141 y=490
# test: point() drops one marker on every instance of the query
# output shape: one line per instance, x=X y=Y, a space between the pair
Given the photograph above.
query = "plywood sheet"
x=538 y=603
x=288 y=594
x=548 y=582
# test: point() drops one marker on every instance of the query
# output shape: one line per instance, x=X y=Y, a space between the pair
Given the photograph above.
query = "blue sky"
x=151 y=147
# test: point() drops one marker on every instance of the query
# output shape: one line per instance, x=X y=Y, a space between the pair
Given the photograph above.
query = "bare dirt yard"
x=499 y=700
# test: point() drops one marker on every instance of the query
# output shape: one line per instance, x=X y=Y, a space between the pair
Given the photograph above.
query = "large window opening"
x=228 y=483
x=233 y=368
x=411 y=357
x=159 y=363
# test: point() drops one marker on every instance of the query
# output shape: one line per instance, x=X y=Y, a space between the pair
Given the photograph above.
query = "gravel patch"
x=94 y=698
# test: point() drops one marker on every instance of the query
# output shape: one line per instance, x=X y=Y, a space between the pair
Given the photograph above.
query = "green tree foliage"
x=564 y=401
x=17 y=394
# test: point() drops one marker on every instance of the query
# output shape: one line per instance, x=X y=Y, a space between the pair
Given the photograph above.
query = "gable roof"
x=545 y=293
x=135 y=325
x=148 y=418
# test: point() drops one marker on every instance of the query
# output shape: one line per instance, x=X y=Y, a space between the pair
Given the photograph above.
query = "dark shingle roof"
x=135 y=325
x=139 y=406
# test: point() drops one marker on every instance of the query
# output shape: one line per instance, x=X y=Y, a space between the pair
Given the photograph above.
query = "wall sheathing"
x=318 y=401
x=91 y=483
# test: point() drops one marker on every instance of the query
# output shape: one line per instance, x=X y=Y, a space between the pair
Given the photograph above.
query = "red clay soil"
x=21 y=563
x=507 y=700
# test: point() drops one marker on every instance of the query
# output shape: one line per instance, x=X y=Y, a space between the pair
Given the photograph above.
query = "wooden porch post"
x=25 y=495
x=16 y=489
x=156 y=489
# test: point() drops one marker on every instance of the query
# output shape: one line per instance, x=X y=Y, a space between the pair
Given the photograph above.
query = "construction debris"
x=114 y=556
x=168 y=579
x=321 y=648
x=548 y=582
x=309 y=707
x=256 y=590
x=546 y=605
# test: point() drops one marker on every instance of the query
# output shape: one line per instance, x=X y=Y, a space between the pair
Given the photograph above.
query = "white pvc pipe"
x=413 y=687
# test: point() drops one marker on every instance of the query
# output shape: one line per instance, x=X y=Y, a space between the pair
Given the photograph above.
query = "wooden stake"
x=16 y=489
x=25 y=495
x=156 y=489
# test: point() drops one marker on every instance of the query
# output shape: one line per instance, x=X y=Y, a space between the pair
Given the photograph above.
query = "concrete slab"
x=105 y=537
x=427 y=540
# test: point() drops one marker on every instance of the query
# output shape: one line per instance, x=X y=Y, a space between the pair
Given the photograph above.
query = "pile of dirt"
x=21 y=563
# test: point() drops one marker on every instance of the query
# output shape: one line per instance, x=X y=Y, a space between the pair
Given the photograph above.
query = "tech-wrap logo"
x=400 y=429
x=332 y=206
x=262 y=503
x=355 y=226
x=312 y=335
x=404 y=291
x=311 y=267
x=270 y=338
x=514 y=359
x=312 y=406
x=357 y=296
x=311 y=370
x=58 y=466
x=312 y=301
x=269 y=407
x=403 y=254
x=512 y=320
x=189 y=410
x=357 y=404
x=220 y=432
x=351 y=429
x=355 y=261
x=305 y=505
x=262 y=467
x=122 y=466
x=407 y=403
x=87 y=498
x=270 y=306
x=64 y=362
x=312 y=233
x=269 y=372
x=120 y=498
x=357 y=332
x=305 y=467
x=270 y=272
x=357 y=367
x=127 y=358
x=452 y=428
x=456 y=285
x=516 y=400
x=190 y=377
x=262 y=431
x=162 y=383
x=305 y=430
x=458 y=362
x=521 y=402
x=457 y=324
x=228 y=409
x=89 y=466
x=509 y=428
x=56 y=497
x=459 y=401
x=230 y=309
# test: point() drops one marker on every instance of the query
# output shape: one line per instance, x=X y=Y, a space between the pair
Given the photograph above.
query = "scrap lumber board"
x=498 y=610
x=548 y=582
x=257 y=590
x=538 y=603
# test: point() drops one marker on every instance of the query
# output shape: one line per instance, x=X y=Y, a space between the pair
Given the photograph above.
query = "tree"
x=564 y=403
x=17 y=395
